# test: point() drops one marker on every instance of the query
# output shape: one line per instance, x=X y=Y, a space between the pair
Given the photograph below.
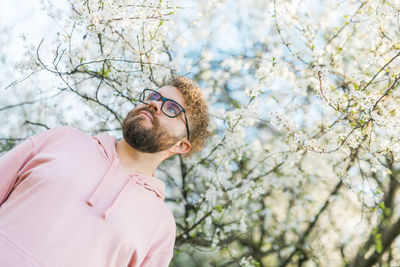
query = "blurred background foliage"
x=302 y=169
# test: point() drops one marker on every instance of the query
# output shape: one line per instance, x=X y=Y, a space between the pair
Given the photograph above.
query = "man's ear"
x=182 y=147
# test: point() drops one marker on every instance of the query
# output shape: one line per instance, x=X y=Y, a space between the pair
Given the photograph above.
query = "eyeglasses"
x=169 y=107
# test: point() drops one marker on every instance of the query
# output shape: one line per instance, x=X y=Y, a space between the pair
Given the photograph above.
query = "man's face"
x=147 y=129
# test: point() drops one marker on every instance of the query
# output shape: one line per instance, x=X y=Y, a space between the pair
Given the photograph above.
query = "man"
x=70 y=199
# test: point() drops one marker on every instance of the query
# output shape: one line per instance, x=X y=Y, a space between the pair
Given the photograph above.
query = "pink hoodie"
x=66 y=201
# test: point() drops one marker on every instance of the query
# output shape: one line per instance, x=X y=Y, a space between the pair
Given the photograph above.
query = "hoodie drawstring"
x=117 y=199
x=103 y=184
x=108 y=177
x=106 y=181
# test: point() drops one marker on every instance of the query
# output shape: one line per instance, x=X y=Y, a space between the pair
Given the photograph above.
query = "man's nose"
x=156 y=105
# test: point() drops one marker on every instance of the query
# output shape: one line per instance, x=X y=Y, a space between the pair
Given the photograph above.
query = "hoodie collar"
x=106 y=147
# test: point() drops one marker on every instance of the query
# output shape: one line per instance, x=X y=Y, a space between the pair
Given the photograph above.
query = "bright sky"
x=26 y=17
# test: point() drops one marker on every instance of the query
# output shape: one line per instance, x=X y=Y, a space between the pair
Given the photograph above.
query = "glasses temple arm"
x=187 y=125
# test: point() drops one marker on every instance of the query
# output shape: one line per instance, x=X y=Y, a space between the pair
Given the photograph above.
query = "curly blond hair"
x=197 y=110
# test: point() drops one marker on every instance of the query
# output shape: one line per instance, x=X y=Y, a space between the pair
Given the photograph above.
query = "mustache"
x=149 y=110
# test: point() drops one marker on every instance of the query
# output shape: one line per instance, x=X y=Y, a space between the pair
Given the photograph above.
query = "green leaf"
x=378 y=243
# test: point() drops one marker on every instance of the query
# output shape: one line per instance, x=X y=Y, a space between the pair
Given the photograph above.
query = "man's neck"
x=135 y=161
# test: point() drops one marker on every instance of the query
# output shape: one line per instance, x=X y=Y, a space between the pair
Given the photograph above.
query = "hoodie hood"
x=106 y=147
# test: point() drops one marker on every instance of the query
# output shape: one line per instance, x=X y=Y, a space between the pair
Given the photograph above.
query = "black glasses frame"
x=164 y=99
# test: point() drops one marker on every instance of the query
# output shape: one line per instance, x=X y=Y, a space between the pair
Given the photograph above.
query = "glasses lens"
x=149 y=95
x=171 y=108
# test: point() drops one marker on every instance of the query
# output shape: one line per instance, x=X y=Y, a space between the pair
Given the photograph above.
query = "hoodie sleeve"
x=162 y=250
x=11 y=163
x=161 y=259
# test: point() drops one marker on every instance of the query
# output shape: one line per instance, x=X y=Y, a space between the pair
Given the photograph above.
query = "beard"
x=146 y=139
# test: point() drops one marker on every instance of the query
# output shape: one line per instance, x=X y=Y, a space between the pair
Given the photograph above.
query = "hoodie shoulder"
x=55 y=135
x=60 y=130
x=67 y=129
